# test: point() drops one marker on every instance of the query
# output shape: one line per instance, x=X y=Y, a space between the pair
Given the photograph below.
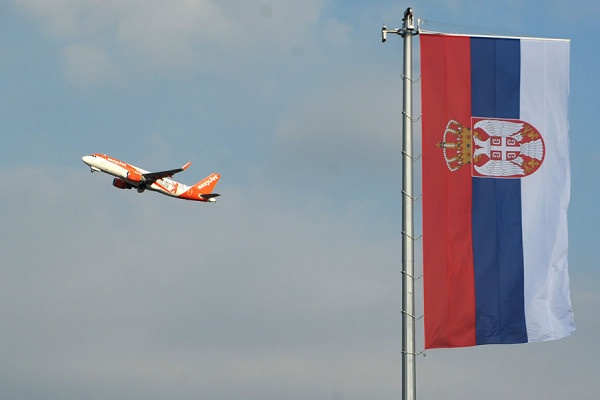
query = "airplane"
x=129 y=176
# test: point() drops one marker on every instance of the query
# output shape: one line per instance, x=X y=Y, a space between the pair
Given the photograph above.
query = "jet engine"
x=121 y=184
x=134 y=176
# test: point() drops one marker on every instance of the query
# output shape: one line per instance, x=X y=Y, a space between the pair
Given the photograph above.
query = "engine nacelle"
x=134 y=176
x=121 y=184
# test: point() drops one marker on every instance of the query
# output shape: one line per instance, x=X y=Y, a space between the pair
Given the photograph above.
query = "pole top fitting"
x=408 y=21
x=408 y=26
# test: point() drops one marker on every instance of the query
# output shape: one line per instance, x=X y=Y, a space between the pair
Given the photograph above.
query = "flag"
x=496 y=186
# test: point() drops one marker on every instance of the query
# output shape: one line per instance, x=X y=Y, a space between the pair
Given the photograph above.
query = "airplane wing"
x=151 y=177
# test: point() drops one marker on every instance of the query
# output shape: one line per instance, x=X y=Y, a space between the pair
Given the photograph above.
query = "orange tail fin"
x=203 y=190
x=207 y=185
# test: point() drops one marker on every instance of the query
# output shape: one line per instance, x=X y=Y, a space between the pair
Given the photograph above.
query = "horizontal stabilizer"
x=209 y=195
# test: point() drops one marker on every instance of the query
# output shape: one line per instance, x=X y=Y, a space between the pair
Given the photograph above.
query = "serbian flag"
x=496 y=185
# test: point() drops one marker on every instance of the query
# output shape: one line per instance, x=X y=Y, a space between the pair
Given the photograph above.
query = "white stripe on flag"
x=545 y=194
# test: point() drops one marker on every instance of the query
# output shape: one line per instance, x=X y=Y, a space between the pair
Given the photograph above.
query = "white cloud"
x=549 y=370
x=110 y=293
x=179 y=34
x=267 y=294
x=337 y=33
x=86 y=64
x=146 y=295
x=348 y=117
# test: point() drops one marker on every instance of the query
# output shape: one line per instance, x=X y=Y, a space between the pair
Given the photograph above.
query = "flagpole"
x=408 y=298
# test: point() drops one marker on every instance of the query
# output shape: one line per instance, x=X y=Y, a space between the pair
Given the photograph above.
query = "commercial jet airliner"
x=128 y=176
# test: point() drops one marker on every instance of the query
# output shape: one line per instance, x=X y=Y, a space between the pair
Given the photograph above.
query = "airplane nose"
x=86 y=159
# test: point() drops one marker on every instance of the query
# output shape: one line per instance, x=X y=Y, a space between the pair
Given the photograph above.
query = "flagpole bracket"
x=420 y=353
x=385 y=31
x=407 y=274
x=411 y=118
x=414 y=159
x=412 y=197
x=416 y=278
x=413 y=81
x=414 y=239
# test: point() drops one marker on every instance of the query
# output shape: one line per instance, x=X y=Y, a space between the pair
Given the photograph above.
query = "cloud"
x=284 y=287
x=110 y=293
x=343 y=125
x=144 y=295
x=86 y=64
x=178 y=35
x=337 y=33
x=536 y=370
x=343 y=140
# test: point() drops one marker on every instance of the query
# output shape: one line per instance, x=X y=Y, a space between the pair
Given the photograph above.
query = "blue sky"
x=288 y=286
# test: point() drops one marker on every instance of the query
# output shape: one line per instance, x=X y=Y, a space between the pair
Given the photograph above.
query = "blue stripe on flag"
x=495 y=78
x=496 y=213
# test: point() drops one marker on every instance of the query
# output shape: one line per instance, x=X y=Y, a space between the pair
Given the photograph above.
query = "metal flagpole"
x=408 y=299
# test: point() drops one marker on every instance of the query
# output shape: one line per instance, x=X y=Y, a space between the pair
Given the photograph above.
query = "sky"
x=289 y=286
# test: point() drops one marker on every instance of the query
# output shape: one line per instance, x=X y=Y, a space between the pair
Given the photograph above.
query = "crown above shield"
x=456 y=145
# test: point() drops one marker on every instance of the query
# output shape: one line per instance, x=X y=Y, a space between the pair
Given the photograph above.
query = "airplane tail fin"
x=203 y=190
x=206 y=185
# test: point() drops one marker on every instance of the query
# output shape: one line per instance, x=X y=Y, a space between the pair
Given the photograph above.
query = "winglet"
x=186 y=165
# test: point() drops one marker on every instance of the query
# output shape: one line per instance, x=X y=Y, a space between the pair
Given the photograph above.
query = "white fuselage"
x=121 y=170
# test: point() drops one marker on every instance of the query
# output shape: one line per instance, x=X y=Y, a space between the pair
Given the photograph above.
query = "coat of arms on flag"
x=494 y=147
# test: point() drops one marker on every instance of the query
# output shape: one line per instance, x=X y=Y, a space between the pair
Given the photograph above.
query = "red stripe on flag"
x=447 y=245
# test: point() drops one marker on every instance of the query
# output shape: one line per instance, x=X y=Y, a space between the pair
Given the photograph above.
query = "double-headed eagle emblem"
x=494 y=148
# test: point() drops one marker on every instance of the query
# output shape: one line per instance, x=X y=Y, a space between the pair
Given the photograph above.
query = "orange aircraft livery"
x=129 y=176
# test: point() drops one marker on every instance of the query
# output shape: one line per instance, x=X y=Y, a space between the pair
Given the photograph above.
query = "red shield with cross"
x=504 y=148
